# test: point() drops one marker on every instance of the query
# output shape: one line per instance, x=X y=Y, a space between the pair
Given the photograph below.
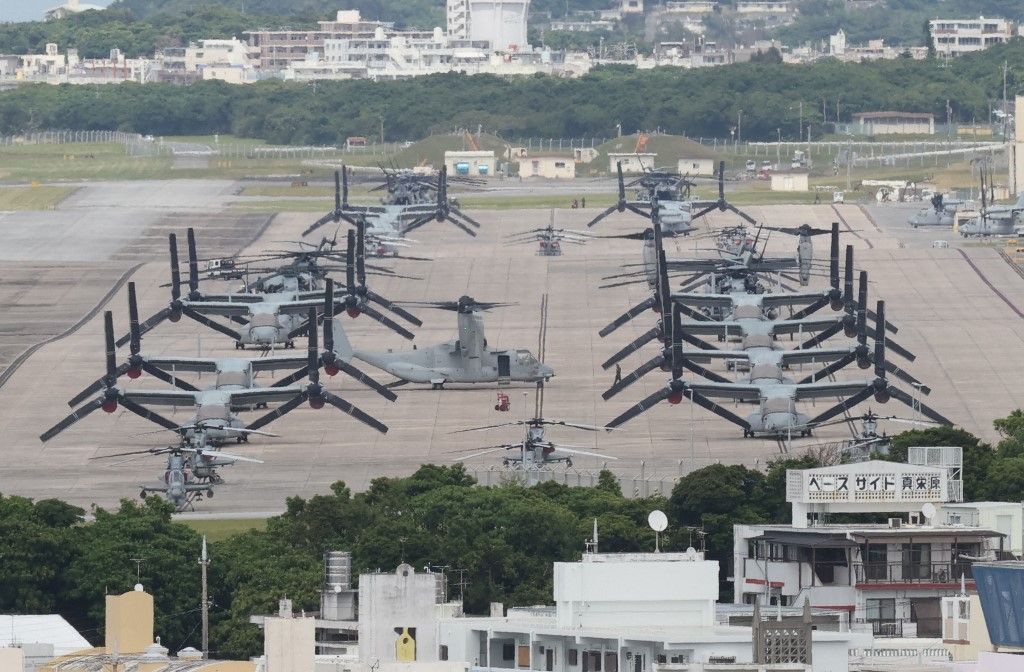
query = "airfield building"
x=890 y=577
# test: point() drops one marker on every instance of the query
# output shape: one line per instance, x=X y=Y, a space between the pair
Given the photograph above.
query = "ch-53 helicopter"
x=469 y=359
x=549 y=239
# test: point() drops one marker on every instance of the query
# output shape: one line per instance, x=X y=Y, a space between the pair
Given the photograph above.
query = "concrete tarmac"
x=954 y=309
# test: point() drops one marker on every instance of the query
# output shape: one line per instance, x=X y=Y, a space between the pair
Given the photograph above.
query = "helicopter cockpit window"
x=524 y=356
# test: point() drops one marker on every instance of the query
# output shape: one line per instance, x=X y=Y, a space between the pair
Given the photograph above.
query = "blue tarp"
x=1001 y=589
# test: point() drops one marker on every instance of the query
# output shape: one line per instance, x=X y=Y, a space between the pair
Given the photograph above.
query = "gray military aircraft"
x=270 y=319
x=396 y=216
x=549 y=239
x=942 y=213
x=777 y=415
x=191 y=469
x=995 y=220
x=215 y=407
x=535 y=451
x=469 y=359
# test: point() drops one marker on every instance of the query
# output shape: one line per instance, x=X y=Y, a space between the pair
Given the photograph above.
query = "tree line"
x=707 y=102
x=505 y=538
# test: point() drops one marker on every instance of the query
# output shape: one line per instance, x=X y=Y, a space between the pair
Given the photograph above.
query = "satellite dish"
x=657 y=520
x=928 y=510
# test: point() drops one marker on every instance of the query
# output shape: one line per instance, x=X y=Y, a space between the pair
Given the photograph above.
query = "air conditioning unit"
x=895 y=523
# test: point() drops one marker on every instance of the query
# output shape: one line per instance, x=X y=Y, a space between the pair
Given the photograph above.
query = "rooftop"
x=41 y=629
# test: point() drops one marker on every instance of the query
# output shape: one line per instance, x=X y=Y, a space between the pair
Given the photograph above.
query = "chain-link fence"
x=640 y=484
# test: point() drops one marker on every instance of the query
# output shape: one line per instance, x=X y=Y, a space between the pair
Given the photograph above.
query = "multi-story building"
x=280 y=48
x=889 y=576
x=502 y=23
x=952 y=37
x=231 y=60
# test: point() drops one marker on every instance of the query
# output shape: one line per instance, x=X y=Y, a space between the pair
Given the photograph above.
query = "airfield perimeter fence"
x=136 y=144
x=637 y=485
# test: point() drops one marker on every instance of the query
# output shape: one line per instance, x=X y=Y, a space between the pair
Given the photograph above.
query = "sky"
x=32 y=10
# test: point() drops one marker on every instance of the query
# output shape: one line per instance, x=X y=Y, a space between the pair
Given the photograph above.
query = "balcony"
x=914 y=573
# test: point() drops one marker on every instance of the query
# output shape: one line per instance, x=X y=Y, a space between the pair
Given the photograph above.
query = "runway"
x=964 y=334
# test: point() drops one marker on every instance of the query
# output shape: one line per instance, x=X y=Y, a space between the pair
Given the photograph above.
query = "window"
x=883 y=609
x=876 y=562
x=611 y=661
x=443 y=654
x=507 y=651
x=917 y=559
x=572 y=657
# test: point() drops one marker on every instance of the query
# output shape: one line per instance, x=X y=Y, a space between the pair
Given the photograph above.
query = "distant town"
x=480 y=37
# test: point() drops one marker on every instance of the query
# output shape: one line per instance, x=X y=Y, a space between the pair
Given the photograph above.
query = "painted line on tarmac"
x=850 y=228
x=23 y=357
x=990 y=285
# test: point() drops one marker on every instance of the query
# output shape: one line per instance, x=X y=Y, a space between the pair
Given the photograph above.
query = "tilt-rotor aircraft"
x=396 y=219
x=777 y=415
x=468 y=359
x=270 y=319
x=214 y=407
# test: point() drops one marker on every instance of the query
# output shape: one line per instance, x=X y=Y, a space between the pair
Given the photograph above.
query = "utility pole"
x=204 y=562
x=1005 y=66
x=849 y=159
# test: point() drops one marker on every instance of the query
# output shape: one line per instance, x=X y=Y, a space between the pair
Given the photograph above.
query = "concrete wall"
x=400 y=601
x=12 y=659
x=129 y=622
x=289 y=643
x=650 y=590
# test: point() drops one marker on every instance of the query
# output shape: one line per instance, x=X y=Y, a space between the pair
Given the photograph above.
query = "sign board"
x=868 y=482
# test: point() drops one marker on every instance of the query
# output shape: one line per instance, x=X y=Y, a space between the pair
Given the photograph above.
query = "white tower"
x=500 y=22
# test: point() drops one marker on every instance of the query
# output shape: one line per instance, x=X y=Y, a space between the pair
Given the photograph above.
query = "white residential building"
x=629 y=612
x=889 y=577
x=952 y=37
x=210 y=58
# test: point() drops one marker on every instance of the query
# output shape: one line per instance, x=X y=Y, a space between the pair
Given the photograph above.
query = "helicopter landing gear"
x=747 y=433
x=437 y=386
x=239 y=346
x=209 y=493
